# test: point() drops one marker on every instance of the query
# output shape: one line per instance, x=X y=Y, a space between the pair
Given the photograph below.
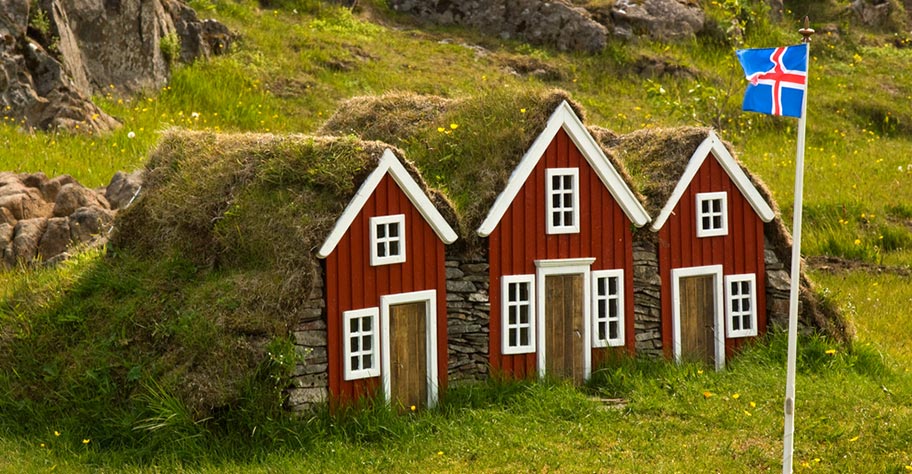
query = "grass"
x=295 y=62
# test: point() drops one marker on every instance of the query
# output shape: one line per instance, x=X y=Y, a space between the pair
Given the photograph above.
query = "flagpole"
x=789 y=435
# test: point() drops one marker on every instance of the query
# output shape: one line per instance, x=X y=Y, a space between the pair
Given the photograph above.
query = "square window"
x=741 y=302
x=563 y=200
x=387 y=235
x=518 y=314
x=608 y=308
x=360 y=349
x=712 y=214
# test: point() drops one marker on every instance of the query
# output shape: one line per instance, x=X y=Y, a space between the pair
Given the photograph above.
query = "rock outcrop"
x=41 y=219
x=54 y=54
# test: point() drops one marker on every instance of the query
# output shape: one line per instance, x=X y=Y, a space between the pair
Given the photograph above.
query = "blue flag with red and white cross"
x=778 y=79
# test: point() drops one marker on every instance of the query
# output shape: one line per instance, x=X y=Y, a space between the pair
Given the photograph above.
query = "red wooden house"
x=385 y=291
x=711 y=257
x=560 y=255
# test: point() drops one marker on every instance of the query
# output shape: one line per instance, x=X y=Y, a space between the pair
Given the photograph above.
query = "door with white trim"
x=698 y=319
x=409 y=349
x=564 y=327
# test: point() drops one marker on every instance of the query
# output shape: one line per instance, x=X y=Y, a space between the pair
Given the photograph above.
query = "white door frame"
x=429 y=297
x=563 y=266
x=719 y=331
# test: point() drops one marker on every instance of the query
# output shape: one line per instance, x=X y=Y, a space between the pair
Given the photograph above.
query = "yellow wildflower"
x=831 y=352
x=707 y=394
x=440 y=129
x=454 y=126
x=56 y=433
x=413 y=408
x=736 y=396
x=86 y=441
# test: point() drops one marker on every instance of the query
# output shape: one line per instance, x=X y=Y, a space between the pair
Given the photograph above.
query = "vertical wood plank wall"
x=352 y=283
x=520 y=239
x=741 y=251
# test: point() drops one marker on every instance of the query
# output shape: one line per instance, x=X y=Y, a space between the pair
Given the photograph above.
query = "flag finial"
x=807 y=31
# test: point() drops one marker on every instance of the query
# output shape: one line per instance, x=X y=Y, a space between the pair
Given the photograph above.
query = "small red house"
x=711 y=257
x=560 y=255
x=385 y=291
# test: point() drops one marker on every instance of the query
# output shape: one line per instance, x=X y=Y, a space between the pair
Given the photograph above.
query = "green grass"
x=292 y=66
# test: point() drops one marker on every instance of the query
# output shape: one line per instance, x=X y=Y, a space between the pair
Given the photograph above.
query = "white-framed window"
x=607 y=308
x=712 y=214
x=361 y=353
x=741 y=305
x=387 y=239
x=563 y=200
x=518 y=314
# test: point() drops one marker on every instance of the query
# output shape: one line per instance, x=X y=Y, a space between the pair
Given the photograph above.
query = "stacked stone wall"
x=310 y=381
x=468 y=313
x=647 y=303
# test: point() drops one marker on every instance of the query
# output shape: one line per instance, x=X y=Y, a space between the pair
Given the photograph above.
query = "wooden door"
x=408 y=355
x=564 y=329
x=697 y=296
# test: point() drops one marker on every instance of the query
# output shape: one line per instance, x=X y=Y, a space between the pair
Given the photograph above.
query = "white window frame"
x=374 y=351
x=597 y=318
x=505 y=305
x=712 y=231
x=375 y=222
x=730 y=313
x=573 y=173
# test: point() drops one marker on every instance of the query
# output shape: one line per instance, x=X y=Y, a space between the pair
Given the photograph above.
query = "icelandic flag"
x=778 y=79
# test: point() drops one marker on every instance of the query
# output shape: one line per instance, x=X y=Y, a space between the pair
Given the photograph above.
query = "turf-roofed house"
x=561 y=256
x=334 y=243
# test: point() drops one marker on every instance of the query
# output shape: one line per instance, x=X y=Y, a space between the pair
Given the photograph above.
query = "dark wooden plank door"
x=408 y=355
x=697 y=318
x=564 y=327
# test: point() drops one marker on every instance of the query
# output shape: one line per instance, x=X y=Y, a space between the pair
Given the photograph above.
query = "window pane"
x=736 y=305
x=613 y=332
x=524 y=336
x=600 y=286
x=511 y=291
x=524 y=314
x=745 y=287
x=736 y=323
x=613 y=286
x=602 y=309
x=353 y=325
x=355 y=344
x=613 y=310
x=717 y=222
x=381 y=231
x=734 y=288
x=511 y=318
x=747 y=322
x=568 y=200
x=556 y=201
x=355 y=363
x=394 y=248
x=368 y=361
x=717 y=205
x=706 y=222
x=366 y=323
x=568 y=218
x=511 y=338
x=523 y=291
x=746 y=304
x=568 y=182
x=394 y=229
x=555 y=182
x=381 y=249
x=555 y=219
x=601 y=331
x=704 y=207
x=367 y=342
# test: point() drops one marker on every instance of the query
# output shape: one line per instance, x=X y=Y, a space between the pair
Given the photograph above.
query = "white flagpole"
x=789 y=435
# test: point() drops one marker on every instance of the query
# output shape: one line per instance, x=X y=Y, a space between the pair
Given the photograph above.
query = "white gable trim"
x=714 y=146
x=388 y=164
x=564 y=117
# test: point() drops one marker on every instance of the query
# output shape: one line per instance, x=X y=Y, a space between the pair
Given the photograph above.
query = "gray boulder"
x=658 y=19
x=122 y=188
x=26 y=237
x=56 y=238
x=74 y=196
x=87 y=223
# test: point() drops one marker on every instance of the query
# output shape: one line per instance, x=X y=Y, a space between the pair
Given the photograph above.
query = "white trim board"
x=565 y=118
x=718 y=305
x=429 y=297
x=564 y=266
x=712 y=145
x=388 y=163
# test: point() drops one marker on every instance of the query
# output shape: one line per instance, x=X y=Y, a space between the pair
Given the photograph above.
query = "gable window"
x=741 y=305
x=563 y=200
x=387 y=235
x=360 y=348
x=607 y=308
x=712 y=214
x=518 y=313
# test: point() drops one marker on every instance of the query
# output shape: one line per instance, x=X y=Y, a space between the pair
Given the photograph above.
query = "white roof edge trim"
x=713 y=145
x=564 y=117
x=388 y=163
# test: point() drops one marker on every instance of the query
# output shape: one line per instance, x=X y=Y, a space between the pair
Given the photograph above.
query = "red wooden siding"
x=520 y=238
x=741 y=251
x=352 y=283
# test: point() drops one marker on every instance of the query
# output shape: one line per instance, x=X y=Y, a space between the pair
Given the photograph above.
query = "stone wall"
x=310 y=381
x=647 y=304
x=468 y=312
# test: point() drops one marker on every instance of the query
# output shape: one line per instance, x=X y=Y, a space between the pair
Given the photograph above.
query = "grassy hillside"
x=100 y=348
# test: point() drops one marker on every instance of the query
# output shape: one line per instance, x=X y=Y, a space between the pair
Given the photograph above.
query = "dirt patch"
x=835 y=265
